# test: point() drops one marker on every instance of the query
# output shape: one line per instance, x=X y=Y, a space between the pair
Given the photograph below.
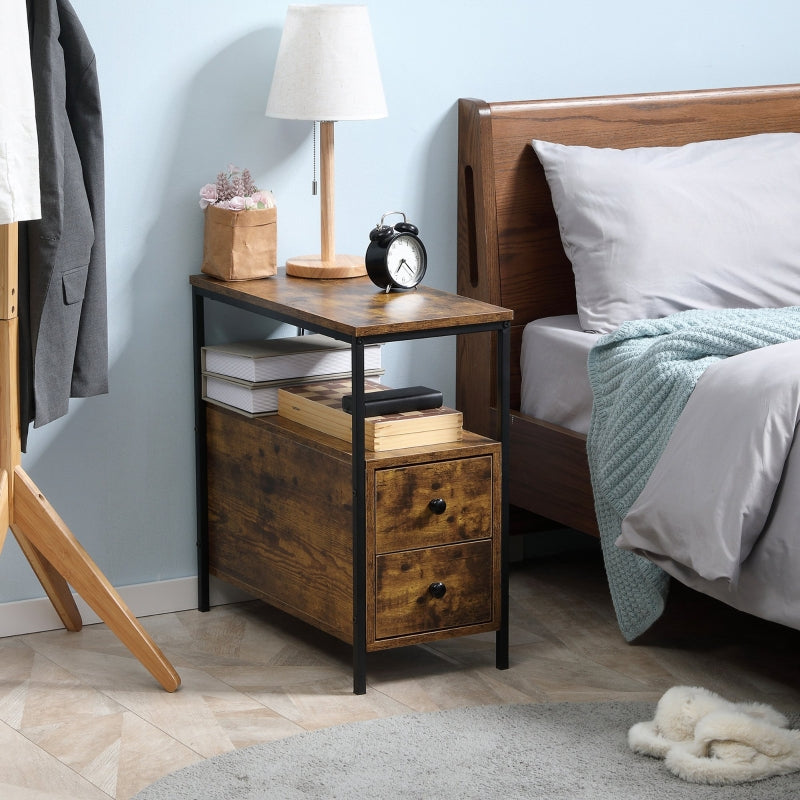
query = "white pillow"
x=654 y=230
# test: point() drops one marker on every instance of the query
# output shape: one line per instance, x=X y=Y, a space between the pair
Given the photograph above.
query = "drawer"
x=408 y=600
x=439 y=502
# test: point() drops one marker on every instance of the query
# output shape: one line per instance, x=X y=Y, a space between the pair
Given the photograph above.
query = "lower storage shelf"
x=280 y=525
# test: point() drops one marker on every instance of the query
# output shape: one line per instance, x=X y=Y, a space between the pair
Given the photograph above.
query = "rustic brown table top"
x=354 y=306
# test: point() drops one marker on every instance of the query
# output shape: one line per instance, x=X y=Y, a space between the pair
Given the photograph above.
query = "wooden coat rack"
x=54 y=553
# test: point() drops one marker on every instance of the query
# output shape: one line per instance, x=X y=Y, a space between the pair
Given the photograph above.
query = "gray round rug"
x=566 y=750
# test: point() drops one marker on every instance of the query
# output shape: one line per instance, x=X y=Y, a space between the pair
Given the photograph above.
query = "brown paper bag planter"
x=240 y=245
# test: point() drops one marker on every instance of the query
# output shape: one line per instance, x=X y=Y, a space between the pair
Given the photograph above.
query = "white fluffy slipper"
x=679 y=711
x=732 y=747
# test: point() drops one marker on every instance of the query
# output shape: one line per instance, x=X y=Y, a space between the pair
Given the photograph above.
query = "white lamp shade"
x=327 y=69
x=19 y=148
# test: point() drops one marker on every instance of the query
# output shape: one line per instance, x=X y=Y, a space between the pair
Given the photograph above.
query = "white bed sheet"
x=555 y=382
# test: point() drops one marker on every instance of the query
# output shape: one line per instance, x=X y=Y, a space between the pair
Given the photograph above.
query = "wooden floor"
x=80 y=719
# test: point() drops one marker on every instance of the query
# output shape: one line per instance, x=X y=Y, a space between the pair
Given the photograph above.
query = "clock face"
x=405 y=260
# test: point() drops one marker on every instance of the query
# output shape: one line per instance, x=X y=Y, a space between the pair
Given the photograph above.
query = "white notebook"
x=259 y=398
x=278 y=359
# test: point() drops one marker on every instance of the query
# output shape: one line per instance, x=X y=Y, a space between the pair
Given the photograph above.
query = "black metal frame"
x=357 y=344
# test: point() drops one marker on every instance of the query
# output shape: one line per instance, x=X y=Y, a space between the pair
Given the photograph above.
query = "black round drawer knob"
x=437 y=589
x=438 y=505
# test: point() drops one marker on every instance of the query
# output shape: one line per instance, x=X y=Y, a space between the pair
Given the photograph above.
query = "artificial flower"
x=235 y=191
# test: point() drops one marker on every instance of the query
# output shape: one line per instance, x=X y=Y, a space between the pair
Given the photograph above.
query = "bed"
x=511 y=253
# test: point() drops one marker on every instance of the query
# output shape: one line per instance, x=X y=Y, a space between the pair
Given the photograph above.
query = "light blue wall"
x=184 y=85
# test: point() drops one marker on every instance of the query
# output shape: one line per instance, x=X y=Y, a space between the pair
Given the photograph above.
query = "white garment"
x=19 y=149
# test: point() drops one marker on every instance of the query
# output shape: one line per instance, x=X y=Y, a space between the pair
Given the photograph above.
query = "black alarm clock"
x=396 y=259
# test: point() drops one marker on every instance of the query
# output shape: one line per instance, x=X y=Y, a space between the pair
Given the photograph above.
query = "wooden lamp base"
x=340 y=266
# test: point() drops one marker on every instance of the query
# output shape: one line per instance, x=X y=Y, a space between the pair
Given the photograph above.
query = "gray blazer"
x=63 y=312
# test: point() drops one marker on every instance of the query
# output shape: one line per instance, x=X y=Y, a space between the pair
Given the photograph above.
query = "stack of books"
x=246 y=376
x=318 y=405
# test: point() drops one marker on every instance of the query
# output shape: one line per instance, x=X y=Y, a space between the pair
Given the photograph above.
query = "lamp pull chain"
x=314 y=174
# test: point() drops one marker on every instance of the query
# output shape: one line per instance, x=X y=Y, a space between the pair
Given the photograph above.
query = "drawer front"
x=435 y=503
x=433 y=589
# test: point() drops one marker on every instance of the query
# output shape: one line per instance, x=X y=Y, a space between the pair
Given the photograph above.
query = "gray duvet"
x=721 y=510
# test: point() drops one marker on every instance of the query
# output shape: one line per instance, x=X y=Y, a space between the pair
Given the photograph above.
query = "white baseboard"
x=143 y=599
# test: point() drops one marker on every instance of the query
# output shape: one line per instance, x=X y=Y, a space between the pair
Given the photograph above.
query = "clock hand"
x=405 y=263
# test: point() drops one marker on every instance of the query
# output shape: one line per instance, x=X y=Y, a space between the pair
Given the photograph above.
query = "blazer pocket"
x=73 y=283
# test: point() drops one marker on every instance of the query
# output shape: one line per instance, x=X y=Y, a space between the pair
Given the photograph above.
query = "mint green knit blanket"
x=642 y=375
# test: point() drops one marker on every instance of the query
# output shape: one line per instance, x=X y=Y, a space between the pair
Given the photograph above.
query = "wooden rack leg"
x=38 y=521
x=54 y=585
x=54 y=553
x=4 y=507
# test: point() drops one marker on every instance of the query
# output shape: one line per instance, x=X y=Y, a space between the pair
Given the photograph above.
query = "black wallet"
x=393 y=401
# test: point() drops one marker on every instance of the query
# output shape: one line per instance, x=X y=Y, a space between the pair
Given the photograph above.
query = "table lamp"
x=326 y=71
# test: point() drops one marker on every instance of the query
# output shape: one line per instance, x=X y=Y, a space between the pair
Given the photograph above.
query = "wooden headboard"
x=509 y=249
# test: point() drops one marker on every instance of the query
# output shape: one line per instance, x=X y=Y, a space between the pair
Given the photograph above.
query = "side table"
x=346 y=539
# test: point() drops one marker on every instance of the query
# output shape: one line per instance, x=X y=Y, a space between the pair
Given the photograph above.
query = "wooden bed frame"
x=510 y=253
